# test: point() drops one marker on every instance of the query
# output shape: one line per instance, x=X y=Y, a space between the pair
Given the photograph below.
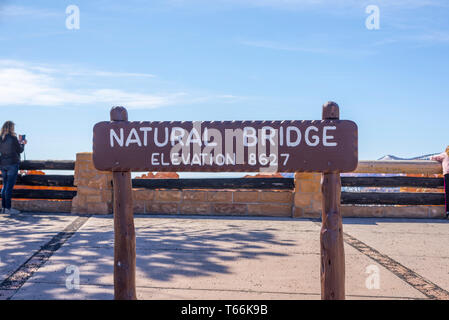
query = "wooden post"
x=331 y=238
x=124 y=233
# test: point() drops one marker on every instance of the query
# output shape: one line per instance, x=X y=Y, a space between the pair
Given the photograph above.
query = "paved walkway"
x=184 y=257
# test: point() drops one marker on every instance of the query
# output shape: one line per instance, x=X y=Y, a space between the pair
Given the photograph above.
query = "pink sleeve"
x=439 y=157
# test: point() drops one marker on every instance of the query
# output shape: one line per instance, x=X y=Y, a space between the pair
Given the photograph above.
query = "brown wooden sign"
x=328 y=146
x=229 y=146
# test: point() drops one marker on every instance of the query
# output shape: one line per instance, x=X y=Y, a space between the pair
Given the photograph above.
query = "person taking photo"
x=10 y=149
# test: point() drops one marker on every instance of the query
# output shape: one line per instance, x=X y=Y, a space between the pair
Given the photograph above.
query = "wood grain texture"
x=125 y=238
x=399 y=166
x=47 y=165
x=332 y=268
x=392 y=198
x=43 y=194
x=417 y=182
x=124 y=231
x=45 y=180
x=224 y=183
x=332 y=249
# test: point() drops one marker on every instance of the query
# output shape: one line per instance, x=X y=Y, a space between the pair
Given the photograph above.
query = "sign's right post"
x=331 y=237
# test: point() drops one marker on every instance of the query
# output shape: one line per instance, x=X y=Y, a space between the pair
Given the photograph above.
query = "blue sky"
x=226 y=60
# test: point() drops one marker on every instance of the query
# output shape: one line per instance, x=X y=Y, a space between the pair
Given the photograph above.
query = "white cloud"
x=97 y=73
x=33 y=85
x=309 y=4
x=71 y=70
x=21 y=11
x=329 y=50
x=280 y=46
x=431 y=37
x=30 y=87
x=421 y=39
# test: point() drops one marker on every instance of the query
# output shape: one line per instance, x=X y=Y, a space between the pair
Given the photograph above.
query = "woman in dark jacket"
x=10 y=150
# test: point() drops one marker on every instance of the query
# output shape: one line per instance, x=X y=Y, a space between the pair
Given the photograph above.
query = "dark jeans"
x=446 y=189
x=9 y=175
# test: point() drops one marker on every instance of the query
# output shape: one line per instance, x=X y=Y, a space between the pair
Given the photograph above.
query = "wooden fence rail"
x=396 y=166
x=392 y=198
x=354 y=198
x=225 y=183
x=47 y=165
x=392 y=182
x=43 y=194
x=45 y=180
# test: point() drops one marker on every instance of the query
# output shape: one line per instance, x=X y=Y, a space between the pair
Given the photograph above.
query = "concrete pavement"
x=186 y=257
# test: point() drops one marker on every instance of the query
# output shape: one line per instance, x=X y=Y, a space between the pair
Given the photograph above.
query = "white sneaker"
x=11 y=211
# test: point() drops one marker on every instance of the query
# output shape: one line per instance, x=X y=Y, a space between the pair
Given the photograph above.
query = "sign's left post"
x=124 y=232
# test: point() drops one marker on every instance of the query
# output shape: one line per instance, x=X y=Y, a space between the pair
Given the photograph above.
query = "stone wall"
x=410 y=212
x=214 y=202
x=307 y=200
x=37 y=205
x=94 y=188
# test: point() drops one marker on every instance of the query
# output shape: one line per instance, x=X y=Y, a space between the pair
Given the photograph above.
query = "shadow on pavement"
x=165 y=250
